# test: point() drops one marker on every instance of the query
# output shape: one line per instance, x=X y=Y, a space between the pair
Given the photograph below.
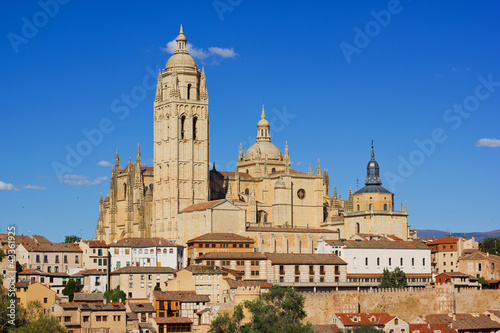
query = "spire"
x=138 y=155
x=372 y=171
x=335 y=192
x=309 y=171
x=181 y=42
x=263 y=128
x=229 y=193
x=318 y=169
x=203 y=70
x=350 y=192
x=240 y=156
x=287 y=156
x=401 y=206
x=158 y=96
x=100 y=200
x=406 y=208
x=117 y=161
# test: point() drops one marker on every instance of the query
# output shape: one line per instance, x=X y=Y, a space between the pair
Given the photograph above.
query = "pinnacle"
x=263 y=116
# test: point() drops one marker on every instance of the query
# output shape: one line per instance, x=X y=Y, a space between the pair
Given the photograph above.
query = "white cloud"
x=7 y=187
x=201 y=53
x=80 y=180
x=104 y=164
x=224 y=53
x=492 y=143
x=34 y=187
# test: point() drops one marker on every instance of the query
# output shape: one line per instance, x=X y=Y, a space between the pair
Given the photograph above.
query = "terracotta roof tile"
x=208 y=269
x=88 y=297
x=142 y=307
x=95 y=243
x=51 y=247
x=232 y=256
x=464 y=321
x=143 y=242
x=305 y=259
x=248 y=283
x=291 y=171
x=221 y=237
x=180 y=296
x=376 y=244
x=444 y=240
x=203 y=205
x=172 y=320
x=349 y=319
x=332 y=328
x=427 y=328
x=478 y=255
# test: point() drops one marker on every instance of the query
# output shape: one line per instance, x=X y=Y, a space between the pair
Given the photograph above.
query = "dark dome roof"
x=372 y=189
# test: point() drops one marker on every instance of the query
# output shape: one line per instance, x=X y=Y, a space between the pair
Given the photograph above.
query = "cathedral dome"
x=263 y=149
x=181 y=57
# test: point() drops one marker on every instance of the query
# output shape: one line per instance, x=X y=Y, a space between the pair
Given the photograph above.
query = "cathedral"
x=180 y=198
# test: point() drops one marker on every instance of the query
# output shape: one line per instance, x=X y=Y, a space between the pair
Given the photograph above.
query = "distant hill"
x=479 y=236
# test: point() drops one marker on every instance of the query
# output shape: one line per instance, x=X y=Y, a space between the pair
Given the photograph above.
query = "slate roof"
x=221 y=237
x=144 y=270
x=144 y=242
x=464 y=321
x=232 y=256
x=142 y=307
x=180 y=296
x=294 y=230
x=372 y=189
x=305 y=259
x=203 y=205
x=364 y=318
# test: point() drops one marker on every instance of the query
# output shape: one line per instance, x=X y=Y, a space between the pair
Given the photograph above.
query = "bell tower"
x=181 y=135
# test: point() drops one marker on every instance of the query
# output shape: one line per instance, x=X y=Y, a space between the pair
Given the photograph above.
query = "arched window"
x=195 y=119
x=151 y=187
x=273 y=170
x=385 y=206
x=357 y=228
x=124 y=191
x=189 y=91
x=247 y=171
x=183 y=120
x=247 y=191
x=358 y=207
x=370 y=207
x=262 y=218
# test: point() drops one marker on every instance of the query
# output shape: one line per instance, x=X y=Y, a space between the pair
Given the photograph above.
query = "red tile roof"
x=444 y=240
x=232 y=256
x=141 y=307
x=304 y=259
x=51 y=247
x=221 y=237
x=349 y=319
x=144 y=270
x=172 y=320
x=95 y=243
x=180 y=296
x=208 y=269
x=464 y=321
x=283 y=171
x=143 y=242
x=427 y=328
x=203 y=205
x=376 y=244
x=478 y=255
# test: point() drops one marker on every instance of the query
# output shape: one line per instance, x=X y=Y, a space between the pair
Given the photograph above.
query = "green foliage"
x=278 y=310
x=2 y=254
x=366 y=328
x=394 y=279
x=70 y=289
x=115 y=295
x=485 y=284
x=157 y=288
x=491 y=245
x=71 y=239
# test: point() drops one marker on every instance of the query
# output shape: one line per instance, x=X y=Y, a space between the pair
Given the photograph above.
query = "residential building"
x=144 y=311
x=55 y=281
x=33 y=291
x=91 y=317
x=383 y=321
x=218 y=242
x=146 y=252
x=458 y=280
x=93 y=280
x=182 y=304
x=463 y=322
x=139 y=282
x=49 y=257
x=482 y=264
x=446 y=251
x=240 y=291
x=428 y=328
x=95 y=255
x=493 y=315
x=204 y=280
x=367 y=259
x=251 y=265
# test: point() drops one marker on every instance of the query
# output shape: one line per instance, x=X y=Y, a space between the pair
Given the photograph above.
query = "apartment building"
x=139 y=282
x=218 y=242
x=482 y=264
x=95 y=255
x=446 y=251
x=49 y=257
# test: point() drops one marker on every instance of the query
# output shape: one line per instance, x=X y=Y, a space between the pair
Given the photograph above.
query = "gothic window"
x=385 y=206
x=189 y=91
x=183 y=120
x=124 y=191
x=358 y=208
x=194 y=127
x=247 y=191
x=370 y=207
x=262 y=216
x=357 y=228
x=151 y=187
x=247 y=170
x=273 y=170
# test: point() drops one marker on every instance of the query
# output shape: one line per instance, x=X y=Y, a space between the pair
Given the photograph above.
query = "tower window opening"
x=370 y=207
x=385 y=206
x=189 y=91
x=195 y=119
x=183 y=120
x=247 y=191
x=273 y=170
x=357 y=228
x=124 y=191
x=358 y=208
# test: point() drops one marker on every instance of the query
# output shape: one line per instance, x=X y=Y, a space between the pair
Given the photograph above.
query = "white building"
x=146 y=252
x=366 y=259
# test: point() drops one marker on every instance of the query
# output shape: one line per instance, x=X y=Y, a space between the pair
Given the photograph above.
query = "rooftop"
x=305 y=259
x=203 y=205
x=144 y=270
x=221 y=237
x=180 y=296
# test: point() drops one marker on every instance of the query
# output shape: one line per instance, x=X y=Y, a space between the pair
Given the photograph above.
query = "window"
x=98 y=318
x=195 y=120
x=366 y=261
x=127 y=251
x=38 y=258
x=189 y=95
x=413 y=261
x=385 y=206
x=357 y=228
x=358 y=207
x=321 y=270
x=297 y=271
x=370 y=207
x=76 y=259
x=390 y=261
x=57 y=259
x=282 y=270
x=423 y=261
x=67 y=319
x=49 y=269
x=396 y=321
x=116 y=251
x=45 y=300
x=378 y=261
x=401 y=262
x=171 y=251
x=45 y=259
x=479 y=266
x=85 y=319
x=118 y=264
x=130 y=277
x=142 y=284
x=183 y=120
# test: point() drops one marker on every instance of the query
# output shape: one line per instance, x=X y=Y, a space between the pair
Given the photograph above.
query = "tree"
x=70 y=289
x=71 y=239
x=491 y=245
x=281 y=309
x=366 y=328
x=394 y=279
x=484 y=284
x=38 y=321
x=157 y=288
x=115 y=295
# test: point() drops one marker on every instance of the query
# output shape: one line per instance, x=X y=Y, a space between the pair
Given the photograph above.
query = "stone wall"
x=406 y=304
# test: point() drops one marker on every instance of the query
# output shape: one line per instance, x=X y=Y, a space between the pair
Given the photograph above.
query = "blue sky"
x=420 y=78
